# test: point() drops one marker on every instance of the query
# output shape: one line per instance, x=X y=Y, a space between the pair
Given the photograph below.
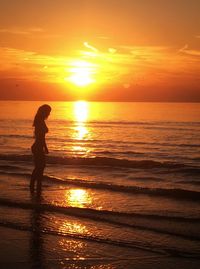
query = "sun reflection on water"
x=74 y=247
x=75 y=228
x=81 y=111
x=81 y=131
x=78 y=198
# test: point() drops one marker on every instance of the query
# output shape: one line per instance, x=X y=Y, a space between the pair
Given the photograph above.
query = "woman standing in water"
x=39 y=148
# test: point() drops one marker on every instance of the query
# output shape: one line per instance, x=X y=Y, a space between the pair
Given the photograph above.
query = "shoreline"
x=24 y=256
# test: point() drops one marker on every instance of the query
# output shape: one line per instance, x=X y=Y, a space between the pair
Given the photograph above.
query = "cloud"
x=185 y=50
x=147 y=64
x=192 y=52
x=112 y=50
x=21 y=31
x=21 y=64
x=124 y=64
x=90 y=47
x=103 y=37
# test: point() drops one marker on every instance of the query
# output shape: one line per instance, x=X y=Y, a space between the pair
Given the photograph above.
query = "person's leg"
x=33 y=179
x=34 y=173
x=37 y=174
x=39 y=179
x=40 y=172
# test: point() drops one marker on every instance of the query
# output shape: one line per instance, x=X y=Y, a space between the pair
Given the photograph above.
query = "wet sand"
x=17 y=251
x=31 y=236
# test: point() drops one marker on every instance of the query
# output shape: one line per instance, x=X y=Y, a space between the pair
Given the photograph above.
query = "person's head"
x=42 y=114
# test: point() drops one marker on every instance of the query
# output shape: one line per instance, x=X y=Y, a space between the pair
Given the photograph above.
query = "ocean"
x=121 y=186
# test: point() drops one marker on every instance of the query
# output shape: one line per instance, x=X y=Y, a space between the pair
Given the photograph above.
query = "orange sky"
x=118 y=50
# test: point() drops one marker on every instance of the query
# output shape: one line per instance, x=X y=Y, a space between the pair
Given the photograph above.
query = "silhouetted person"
x=39 y=148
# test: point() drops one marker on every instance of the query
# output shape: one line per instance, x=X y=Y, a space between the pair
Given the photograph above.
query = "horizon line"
x=101 y=101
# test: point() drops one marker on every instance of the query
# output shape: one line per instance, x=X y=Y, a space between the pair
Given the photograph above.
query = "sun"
x=81 y=78
x=81 y=73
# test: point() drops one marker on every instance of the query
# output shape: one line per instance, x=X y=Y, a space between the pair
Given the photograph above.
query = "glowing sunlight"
x=67 y=227
x=81 y=131
x=99 y=134
x=81 y=73
x=81 y=111
x=78 y=198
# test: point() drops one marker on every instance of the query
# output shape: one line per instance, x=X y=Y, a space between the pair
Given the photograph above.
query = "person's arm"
x=44 y=145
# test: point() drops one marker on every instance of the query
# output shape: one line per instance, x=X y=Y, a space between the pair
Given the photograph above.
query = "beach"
x=121 y=186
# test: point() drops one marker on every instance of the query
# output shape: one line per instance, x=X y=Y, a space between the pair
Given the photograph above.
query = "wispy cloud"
x=87 y=45
x=188 y=51
x=31 y=65
x=184 y=48
x=33 y=32
x=22 y=31
x=114 y=64
x=103 y=37
x=192 y=52
x=144 y=63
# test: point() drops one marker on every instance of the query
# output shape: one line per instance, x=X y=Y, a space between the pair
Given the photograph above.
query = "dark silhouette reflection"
x=39 y=148
x=37 y=257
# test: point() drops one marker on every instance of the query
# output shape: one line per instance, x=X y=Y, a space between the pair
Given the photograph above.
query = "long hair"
x=42 y=114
